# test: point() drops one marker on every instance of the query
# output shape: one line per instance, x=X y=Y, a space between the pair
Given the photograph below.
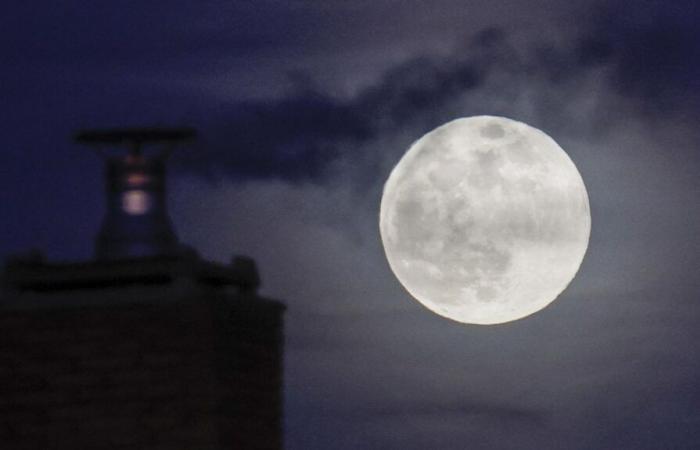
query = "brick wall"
x=201 y=373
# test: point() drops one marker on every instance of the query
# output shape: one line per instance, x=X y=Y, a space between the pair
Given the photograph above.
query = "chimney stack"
x=136 y=223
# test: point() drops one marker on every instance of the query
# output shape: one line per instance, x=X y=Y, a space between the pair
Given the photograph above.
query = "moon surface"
x=485 y=220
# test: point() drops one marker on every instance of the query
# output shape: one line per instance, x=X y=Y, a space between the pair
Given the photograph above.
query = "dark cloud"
x=656 y=51
x=293 y=138
x=298 y=137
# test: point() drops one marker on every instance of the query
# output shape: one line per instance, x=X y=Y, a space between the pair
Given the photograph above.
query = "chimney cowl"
x=136 y=223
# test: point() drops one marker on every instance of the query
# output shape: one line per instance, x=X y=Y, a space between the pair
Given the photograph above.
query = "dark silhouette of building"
x=147 y=346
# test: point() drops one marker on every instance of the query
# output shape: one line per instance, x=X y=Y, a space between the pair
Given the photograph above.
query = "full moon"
x=485 y=220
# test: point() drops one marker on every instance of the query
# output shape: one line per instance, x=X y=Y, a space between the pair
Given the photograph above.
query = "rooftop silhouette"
x=146 y=346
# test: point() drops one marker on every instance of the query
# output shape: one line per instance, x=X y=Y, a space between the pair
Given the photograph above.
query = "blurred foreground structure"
x=147 y=346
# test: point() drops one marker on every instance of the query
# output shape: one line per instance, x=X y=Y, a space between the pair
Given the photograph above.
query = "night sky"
x=303 y=108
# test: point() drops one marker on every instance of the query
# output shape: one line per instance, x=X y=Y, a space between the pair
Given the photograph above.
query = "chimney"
x=136 y=222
